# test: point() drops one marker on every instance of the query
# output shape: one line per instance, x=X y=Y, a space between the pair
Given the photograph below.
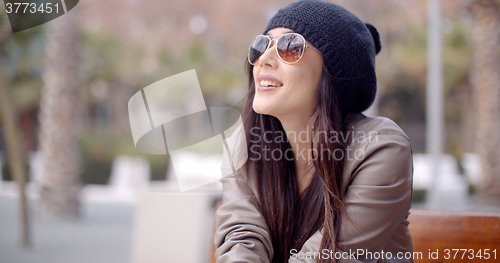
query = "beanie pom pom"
x=376 y=37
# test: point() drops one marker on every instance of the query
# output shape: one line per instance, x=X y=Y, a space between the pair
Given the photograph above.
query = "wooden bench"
x=448 y=232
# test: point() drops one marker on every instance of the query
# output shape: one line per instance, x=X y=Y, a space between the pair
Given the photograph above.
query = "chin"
x=261 y=108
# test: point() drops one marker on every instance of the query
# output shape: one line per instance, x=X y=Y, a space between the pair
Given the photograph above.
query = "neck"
x=299 y=134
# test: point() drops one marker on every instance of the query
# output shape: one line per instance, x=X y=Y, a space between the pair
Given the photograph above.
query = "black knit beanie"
x=348 y=46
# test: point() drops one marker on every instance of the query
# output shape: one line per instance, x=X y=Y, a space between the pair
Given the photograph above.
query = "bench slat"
x=438 y=231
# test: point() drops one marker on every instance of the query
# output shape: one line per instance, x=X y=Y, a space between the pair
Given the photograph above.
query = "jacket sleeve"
x=241 y=232
x=377 y=199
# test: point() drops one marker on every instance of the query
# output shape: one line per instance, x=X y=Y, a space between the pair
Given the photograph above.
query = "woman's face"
x=297 y=83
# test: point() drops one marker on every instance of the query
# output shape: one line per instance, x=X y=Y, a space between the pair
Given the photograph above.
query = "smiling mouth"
x=268 y=83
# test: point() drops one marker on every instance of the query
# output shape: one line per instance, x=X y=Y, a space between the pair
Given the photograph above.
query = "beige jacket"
x=377 y=181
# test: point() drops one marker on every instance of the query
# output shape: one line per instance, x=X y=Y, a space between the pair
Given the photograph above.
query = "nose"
x=271 y=44
x=269 y=57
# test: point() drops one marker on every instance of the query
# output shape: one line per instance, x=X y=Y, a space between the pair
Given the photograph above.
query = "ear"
x=376 y=37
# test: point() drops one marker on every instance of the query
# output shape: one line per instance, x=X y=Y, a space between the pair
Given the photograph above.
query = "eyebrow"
x=286 y=32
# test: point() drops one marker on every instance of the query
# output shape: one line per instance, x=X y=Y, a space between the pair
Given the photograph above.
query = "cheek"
x=255 y=72
x=305 y=83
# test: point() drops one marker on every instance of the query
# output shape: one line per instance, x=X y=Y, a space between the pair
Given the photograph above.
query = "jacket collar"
x=353 y=117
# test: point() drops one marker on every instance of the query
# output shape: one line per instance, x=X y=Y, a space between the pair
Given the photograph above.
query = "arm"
x=377 y=199
x=241 y=231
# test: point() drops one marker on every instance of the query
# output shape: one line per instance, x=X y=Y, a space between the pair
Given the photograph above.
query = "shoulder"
x=234 y=152
x=378 y=151
x=363 y=131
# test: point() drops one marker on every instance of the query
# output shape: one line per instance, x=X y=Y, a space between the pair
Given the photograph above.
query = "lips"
x=267 y=82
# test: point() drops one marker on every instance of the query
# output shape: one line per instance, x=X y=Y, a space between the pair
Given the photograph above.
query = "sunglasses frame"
x=277 y=40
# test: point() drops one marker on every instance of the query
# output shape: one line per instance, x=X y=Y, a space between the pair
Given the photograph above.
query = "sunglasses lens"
x=291 y=47
x=257 y=48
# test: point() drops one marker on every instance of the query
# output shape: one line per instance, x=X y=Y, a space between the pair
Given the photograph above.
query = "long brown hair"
x=293 y=218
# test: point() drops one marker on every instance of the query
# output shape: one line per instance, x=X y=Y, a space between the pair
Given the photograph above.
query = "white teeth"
x=268 y=83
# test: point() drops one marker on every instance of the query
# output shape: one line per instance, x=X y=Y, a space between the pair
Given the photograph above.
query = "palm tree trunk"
x=486 y=83
x=60 y=120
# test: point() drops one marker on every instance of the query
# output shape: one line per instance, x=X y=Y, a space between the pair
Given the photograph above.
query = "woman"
x=323 y=182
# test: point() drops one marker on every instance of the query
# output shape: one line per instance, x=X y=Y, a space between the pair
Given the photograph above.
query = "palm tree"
x=486 y=85
x=59 y=120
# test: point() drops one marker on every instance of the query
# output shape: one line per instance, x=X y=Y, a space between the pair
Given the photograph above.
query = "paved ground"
x=103 y=234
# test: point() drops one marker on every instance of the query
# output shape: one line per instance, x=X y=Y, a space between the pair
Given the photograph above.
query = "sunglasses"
x=289 y=47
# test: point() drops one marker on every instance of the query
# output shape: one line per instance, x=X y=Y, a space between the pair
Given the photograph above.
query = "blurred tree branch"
x=5 y=33
x=11 y=133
